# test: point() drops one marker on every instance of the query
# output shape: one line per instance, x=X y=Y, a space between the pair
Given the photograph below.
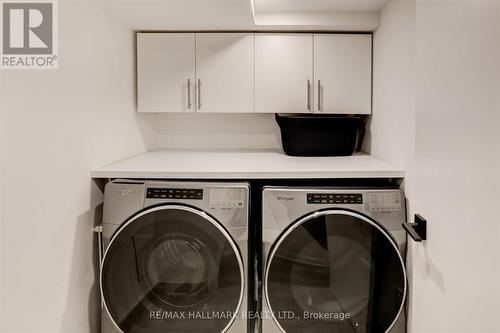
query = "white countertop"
x=265 y=164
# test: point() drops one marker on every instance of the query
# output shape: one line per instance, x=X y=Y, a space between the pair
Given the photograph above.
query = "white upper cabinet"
x=262 y=72
x=165 y=72
x=283 y=73
x=343 y=73
x=225 y=72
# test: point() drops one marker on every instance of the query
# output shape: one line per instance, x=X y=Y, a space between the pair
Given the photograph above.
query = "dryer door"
x=335 y=271
x=172 y=268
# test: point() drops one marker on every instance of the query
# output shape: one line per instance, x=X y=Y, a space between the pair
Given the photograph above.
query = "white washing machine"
x=333 y=260
x=175 y=257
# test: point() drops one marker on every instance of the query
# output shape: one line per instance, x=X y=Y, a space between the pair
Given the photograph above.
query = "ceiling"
x=186 y=15
x=318 y=5
x=181 y=14
x=337 y=15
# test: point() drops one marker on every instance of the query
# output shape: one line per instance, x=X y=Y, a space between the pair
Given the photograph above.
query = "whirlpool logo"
x=124 y=192
x=29 y=39
x=284 y=198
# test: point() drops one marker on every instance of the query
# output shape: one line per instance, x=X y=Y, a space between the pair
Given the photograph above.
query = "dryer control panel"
x=385 y=201
x=174 y=193
x=334 y=198
x=226 y=198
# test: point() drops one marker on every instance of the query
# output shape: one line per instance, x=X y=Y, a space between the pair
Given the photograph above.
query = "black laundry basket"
x=319 y=135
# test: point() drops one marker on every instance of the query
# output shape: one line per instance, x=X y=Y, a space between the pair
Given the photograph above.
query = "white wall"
x=55 y=127
x=1 y=200
x=214 y=131
x=456 y=274
x=436 y=111
x=391 y=130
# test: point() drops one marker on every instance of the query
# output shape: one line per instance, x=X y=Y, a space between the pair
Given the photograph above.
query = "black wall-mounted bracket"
x=418 y=229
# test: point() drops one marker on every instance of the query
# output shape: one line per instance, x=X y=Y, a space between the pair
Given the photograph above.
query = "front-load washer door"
x=335 y=271
x=172 y=268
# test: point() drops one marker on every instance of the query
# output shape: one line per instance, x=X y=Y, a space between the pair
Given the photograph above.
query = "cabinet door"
x=165 y=72
x=225 y=72
x=343 y=73
x=283 y=72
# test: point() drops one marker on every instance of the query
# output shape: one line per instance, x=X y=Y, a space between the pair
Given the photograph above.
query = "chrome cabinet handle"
x=308 y=95
x=319 y=95
x=199 y=94
x=189 y=93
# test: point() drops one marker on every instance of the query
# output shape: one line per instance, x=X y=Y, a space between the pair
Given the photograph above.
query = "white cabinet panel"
x=240 y=72
x=283 y=68
x=165 y=63
x=225 y=70
x=342 y=72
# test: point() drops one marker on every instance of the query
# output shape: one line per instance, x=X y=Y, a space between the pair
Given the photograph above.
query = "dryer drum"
x=168 y=268
x=335 y=271
x=181 y=270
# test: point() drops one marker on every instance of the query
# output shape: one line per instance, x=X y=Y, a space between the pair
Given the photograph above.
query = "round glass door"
x=335 y=271
x=172 y=268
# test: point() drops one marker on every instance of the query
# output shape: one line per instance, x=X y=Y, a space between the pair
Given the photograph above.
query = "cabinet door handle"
x=199 y=94
x=319 y=95
x=189 y=93
x=308 y=95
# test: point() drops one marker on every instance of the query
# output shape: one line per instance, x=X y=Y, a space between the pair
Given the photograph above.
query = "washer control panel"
x=174 y=193
x=226 y=198
x=334 y=198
